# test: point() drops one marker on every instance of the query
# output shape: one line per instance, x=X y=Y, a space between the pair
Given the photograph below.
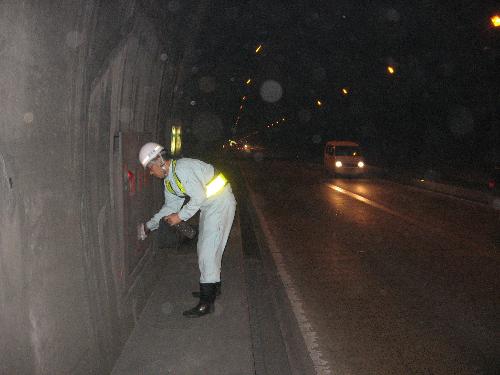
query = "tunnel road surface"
x=384 y=278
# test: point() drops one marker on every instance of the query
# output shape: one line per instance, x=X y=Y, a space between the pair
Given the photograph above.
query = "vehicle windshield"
x=347 y=151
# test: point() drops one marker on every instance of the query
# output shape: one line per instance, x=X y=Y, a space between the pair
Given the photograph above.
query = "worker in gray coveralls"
x=208 y=191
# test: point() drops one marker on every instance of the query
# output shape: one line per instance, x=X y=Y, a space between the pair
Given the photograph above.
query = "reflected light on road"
x=352 y=195
x=421 y=224
x=361 y=189
x=372 y=203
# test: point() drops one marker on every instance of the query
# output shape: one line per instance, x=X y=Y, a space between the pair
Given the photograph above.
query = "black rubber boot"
x=218 y=291
x=206 y=304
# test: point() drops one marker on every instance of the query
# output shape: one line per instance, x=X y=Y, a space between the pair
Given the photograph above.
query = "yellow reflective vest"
x=213 y=187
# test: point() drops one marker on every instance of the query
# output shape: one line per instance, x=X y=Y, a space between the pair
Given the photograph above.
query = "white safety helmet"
x=149 y=152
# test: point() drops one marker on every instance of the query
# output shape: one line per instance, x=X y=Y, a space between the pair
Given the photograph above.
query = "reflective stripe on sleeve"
x=216 y=185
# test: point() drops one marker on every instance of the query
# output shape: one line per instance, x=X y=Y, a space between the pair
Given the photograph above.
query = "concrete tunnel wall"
x=82 y=84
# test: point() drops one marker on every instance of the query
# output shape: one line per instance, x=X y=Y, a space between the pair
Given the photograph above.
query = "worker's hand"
x=172 y=219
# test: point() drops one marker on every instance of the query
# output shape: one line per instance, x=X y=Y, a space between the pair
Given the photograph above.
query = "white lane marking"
x=429 y=228
x=321 y=366
x=373 y=204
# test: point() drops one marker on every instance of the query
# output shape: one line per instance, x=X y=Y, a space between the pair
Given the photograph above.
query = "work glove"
x=141 y=232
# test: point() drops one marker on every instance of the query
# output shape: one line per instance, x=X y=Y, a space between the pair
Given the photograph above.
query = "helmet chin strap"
x=163 y=166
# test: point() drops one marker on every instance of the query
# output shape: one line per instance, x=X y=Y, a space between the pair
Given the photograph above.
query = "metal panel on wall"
x=137 y=203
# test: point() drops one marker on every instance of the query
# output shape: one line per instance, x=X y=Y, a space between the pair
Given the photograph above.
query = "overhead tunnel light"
x=495 y=20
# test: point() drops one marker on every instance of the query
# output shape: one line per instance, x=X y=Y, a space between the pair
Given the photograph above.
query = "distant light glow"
x=345 y=91
x=391 y=69
x=338 y=164
x=495 y=20
x=249 y=80
x=176 y=140
x=258 y=48
x=361 y=164
x=319 y=103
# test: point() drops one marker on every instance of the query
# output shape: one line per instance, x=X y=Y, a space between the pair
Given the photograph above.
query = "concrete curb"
x=299 y=359
x=455 y=191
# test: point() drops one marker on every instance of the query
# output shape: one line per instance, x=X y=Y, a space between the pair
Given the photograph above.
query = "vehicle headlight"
x=361 y=164
x=338 y=164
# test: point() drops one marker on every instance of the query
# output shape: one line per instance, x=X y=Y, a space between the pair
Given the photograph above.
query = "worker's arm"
x=172 y=204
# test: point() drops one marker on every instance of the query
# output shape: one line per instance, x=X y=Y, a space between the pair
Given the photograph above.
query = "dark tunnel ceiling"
x=442 y=51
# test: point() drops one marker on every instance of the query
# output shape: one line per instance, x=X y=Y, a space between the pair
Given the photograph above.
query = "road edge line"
x=290 y=312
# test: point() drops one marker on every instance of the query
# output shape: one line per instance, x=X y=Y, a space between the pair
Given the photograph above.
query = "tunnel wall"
x=82 y=84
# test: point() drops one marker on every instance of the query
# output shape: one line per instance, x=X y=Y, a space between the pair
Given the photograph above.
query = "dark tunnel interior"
x=84 y=83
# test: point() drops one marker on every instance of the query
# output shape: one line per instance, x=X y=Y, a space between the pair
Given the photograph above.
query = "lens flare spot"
x=173 y=6
x=28 y=117
x=125 y=115
x=207 y=127
x=167 y=308
x=74 y=39
x=392 y=15
x=460 y=121
x=496 y=203
x=271 y=91
x=207 y=84
x=304 y=115
x=316 y=138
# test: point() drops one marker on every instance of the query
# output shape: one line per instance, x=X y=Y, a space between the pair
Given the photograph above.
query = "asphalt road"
x=385 y=278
